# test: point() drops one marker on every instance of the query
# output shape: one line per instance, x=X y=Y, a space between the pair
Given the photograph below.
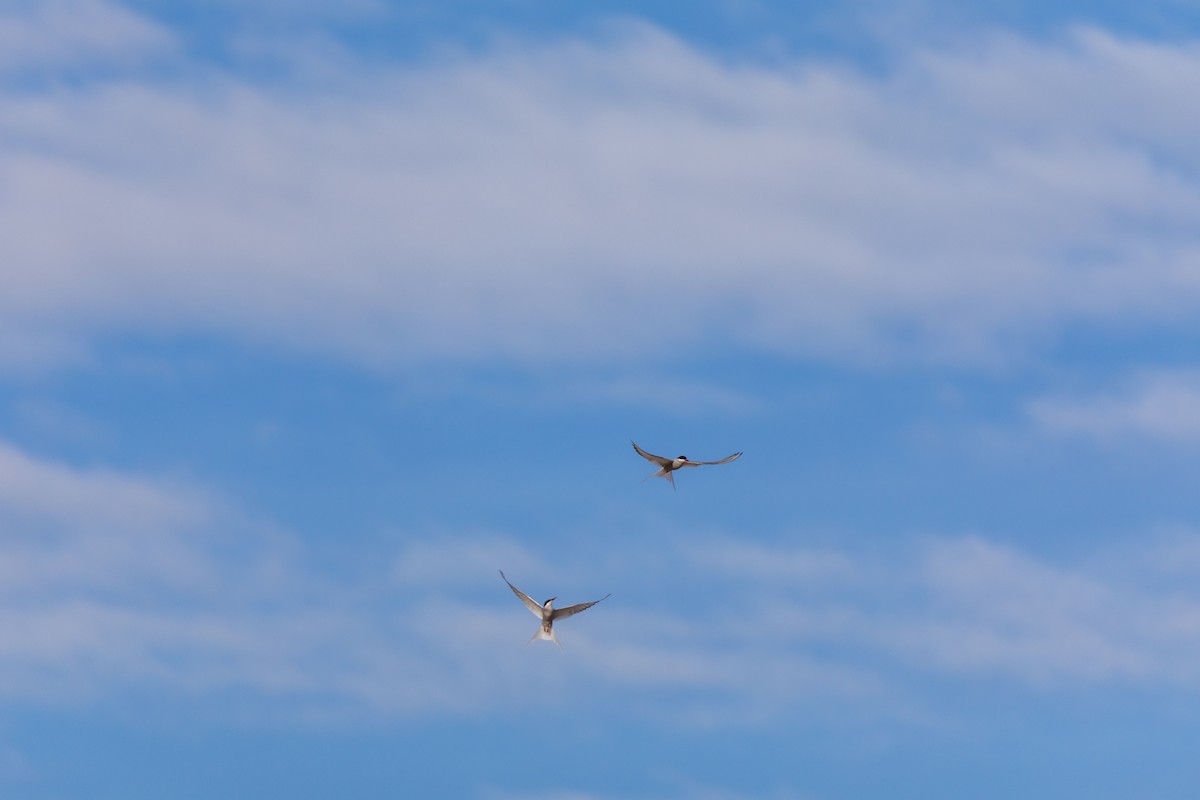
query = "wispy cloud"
x=660 y=391
x=682 y=396
x=625 y=196
x=114 y=583
x=691 y=791
x=1160 y=406
x=996 y=612
x=37 y=35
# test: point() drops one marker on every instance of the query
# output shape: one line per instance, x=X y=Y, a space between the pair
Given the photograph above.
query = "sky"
x=317 y=315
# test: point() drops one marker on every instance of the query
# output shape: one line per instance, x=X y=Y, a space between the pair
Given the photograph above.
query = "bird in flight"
x=666 y=466
x=547 y=613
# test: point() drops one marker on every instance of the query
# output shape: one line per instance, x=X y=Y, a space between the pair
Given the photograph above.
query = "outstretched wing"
x=570 y=611
x=724 y=460
x=662 y=462
x=530 y=603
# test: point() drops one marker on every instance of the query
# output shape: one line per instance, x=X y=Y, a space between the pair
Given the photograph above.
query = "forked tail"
x=662 y=473
x=542 y=633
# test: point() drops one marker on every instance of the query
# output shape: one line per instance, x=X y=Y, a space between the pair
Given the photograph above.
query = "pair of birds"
x=546 y=611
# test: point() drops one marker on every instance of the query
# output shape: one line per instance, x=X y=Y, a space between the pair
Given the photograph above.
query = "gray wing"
x=662 y=462
x=534 y=606
x=724 y=460
x=570 y=611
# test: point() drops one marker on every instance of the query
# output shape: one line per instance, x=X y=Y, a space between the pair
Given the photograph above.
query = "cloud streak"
x=128 y=585
x=1160 y=406
x=65 y=35
x=629 y=196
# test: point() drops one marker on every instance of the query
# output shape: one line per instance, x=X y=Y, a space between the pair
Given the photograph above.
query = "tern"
x=547 y=613
x=666 y=466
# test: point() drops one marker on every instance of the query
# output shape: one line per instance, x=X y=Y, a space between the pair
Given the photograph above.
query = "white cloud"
x=679 y=395
x=629 y=196
x=59 y=495
x=74 y=34
x=112 y=584
x=591 y=388
x=1162 y=406
x=999 y=612
x=690 y=791
x=748 y=561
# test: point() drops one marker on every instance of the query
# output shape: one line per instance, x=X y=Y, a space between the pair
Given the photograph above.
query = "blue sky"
x=316 y=315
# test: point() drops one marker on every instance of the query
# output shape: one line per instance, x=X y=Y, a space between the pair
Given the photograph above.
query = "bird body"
x=667 y=466
x=547 y=613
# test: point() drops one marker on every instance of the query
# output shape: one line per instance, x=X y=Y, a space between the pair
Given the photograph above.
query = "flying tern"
x=547 y=613
x=666 y=466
